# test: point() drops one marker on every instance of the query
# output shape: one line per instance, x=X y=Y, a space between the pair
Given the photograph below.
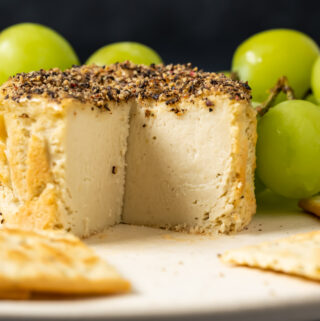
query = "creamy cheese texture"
x=95 y=144
x=186 y=171
x=161 y=146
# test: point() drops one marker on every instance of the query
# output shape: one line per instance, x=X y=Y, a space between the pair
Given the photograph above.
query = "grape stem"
x=282 y=85
x=309 y=92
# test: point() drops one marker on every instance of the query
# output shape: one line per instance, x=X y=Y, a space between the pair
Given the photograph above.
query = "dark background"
x=201 y=31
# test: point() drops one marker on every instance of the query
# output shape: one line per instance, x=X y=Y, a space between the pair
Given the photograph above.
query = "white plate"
x=178 y=275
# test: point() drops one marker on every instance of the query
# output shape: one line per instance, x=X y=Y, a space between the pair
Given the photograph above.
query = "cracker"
x=297 y=255
x=15 y=295
x=52 y=262
x=311 y=204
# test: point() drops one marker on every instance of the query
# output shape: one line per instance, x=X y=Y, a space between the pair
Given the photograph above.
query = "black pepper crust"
x=122 y=81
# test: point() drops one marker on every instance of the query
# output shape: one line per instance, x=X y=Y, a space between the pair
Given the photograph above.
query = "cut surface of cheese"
x=190 y=172
x=163 y=146
x=96 y=143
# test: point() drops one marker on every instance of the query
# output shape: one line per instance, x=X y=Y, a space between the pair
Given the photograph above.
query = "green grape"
x=268 y=55
x=258 y=185
x=27 y=47
x=273 y=204
x=312 y=99
x=288 y=149
x=255 y=104
x=315 y=79
x=122 y=51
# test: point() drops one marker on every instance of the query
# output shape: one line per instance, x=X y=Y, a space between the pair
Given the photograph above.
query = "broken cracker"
x=52 y=262
x=296 y=255
x=311 y=204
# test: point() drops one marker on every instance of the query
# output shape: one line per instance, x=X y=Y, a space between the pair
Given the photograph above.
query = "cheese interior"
x=178 y=166
x=183 y=169
x=96 y=143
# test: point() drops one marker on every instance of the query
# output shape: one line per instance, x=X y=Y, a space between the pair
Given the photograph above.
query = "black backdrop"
x=201 y=31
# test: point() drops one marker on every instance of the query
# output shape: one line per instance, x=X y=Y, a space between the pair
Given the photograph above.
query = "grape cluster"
x=288 y=148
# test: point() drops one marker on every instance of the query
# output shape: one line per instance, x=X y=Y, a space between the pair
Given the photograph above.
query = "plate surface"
x=179 y=275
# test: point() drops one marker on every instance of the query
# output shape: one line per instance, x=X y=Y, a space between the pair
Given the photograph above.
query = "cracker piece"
x=15 y=295
x=297 y=255
x=52 y=262
x=311 y=204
